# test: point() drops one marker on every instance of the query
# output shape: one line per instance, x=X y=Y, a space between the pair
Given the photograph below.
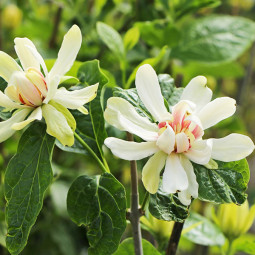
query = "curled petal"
x=57 y=125
x=52 y=89
x=174 y=177
x=216 y=111
x=197 y=92
x=232 y=147
x=182 y=142
x=77 y=98
x=6 y=130
x=166 y=140
x=130 y=150
x=7 y=103
x=149 y=91
x=151 y=171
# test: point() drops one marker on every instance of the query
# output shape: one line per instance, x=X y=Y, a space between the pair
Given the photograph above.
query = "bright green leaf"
x=27 y=177
x=99 y=203
x=215 y=39
x=131 y=38
x=245 y=243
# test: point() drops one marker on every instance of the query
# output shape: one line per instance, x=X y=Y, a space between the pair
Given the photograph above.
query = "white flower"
x=33 y=94
x=175 y=138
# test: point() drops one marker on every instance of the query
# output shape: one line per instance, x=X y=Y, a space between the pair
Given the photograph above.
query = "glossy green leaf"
x=27 y=177
x=127 y=248
x=167 y=207
x=168 y=89
x=215 y=39
x=99 y=203
x=206 y=233
x=131 y=38
x=227 y=184
x=112 y=39
x=245 y=243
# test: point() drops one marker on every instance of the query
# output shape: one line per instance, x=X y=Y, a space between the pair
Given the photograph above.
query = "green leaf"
x=27 y=177
x=206 y=233
x=112 y=39
x=215 y=39
x=227 y=184
x=245 y=243
x=158 y=33
x=3 y=84
x=168 y=89
x=127 y=248
x=131 y=38
x=132 y=97
x=99 y=203
x=152 y=61
x=167 y=207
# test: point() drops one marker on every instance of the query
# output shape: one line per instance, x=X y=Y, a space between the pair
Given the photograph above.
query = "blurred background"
x=157 y=27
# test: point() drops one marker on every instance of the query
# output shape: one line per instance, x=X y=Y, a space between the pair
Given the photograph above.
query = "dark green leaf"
x=227 y=184
x=206 y=233
x=127 y=248
x=99 y=203
x=3 y=84
x=215 y=39
x=167 y=207
x=168 y=89
x=27 y=177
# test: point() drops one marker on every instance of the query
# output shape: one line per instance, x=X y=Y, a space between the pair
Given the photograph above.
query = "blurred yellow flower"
x=12 y=16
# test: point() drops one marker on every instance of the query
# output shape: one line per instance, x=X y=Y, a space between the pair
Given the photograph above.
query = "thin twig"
x=135 y=212
x=175 y=238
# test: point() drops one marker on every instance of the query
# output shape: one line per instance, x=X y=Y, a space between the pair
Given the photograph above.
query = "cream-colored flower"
x=32 y=92
x=174 y=139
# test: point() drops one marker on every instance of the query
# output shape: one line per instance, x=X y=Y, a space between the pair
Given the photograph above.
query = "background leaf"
x=99 y=203
x=27 y=177
x=215 y=39
x=245 y=243
x=131 y=38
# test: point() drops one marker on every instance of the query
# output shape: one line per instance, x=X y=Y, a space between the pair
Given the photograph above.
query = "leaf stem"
x=135 y=212
x=175 y=238
x=146 y=196
x=93 y=154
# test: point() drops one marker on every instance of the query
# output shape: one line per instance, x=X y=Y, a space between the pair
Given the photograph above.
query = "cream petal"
x=182 y=142
x=25 y=56
x=151 y=171
x=174 y=177
x=35 y=115
x=5 y=126
x=197 y=92
x=8 y=66
x=57 y=125
x=52 y=89
x=122 y=115
x=130 y=150
x=7 y=103
x=77 y=98
x=200 y=152
x=232 y=147
x=67 y=54
x=166 y=140
x=149 y=91
x=217 y=110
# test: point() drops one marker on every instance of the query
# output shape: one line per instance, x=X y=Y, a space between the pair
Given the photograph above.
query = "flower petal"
x=232 y=147
x=52 y=89
x=69 y=49
x=130 y=150
x=7 y=103
x=149 y=91
x=200 y=151
x=122 y=115
x=25 y=56
x=182 y=142
x=77 y=98
x=197 y=92
x=217 y=110
x=174 y=177
x=192 y=190
x=5 y=126
x=8 y=66
x=166 y=140
x=57 y=125
x=35 y=115
x=151 y=171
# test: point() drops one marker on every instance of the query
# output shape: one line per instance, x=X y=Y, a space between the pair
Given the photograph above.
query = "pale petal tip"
x=201 y=80
x=145 y=68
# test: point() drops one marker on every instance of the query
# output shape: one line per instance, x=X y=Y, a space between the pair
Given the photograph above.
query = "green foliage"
x=167 y=207
x=27 y=177
x=227 y=184
x=245 y=243
x=206 y=233
x=131 y=38
x=99 y=203
x=215 y=39
x=127 y=248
